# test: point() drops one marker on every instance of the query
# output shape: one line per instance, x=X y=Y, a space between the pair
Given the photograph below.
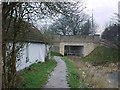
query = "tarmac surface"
x=57 y=78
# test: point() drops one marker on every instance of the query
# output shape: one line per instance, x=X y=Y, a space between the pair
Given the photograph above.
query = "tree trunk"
x=4 y=79
x=13 y=68
x=4 y=73
x=0 y=47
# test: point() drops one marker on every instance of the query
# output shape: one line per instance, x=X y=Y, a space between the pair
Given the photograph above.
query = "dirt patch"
x=96 y=76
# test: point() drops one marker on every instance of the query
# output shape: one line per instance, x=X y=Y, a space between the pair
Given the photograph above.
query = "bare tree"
x=61 y=26
x=73 y=25
x=116 y=18
x=76 y=23
x=111 y=34
x=11 y=28
x=14 y=16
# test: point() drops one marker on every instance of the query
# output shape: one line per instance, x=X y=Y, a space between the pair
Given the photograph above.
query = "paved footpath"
x=57 y=78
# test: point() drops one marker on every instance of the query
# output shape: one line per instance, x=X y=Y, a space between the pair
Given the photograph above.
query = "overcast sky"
x=102 y=10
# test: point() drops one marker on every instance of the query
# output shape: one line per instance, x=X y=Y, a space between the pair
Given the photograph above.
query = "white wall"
x=35 y=52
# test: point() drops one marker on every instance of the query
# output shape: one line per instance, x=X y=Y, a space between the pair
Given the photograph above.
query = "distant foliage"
x=111 y=33
x=75 y=24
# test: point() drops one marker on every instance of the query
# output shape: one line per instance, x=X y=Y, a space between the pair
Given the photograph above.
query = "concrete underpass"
x=77 y=45
x=73 y=50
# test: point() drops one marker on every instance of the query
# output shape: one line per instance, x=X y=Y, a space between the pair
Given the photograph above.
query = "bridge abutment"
x=75 y=45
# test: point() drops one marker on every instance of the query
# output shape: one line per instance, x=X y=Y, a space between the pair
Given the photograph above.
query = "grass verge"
x=55 y=53
x=73 y=76
x=36 y=75
x=96 y=66
x=101 y=55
